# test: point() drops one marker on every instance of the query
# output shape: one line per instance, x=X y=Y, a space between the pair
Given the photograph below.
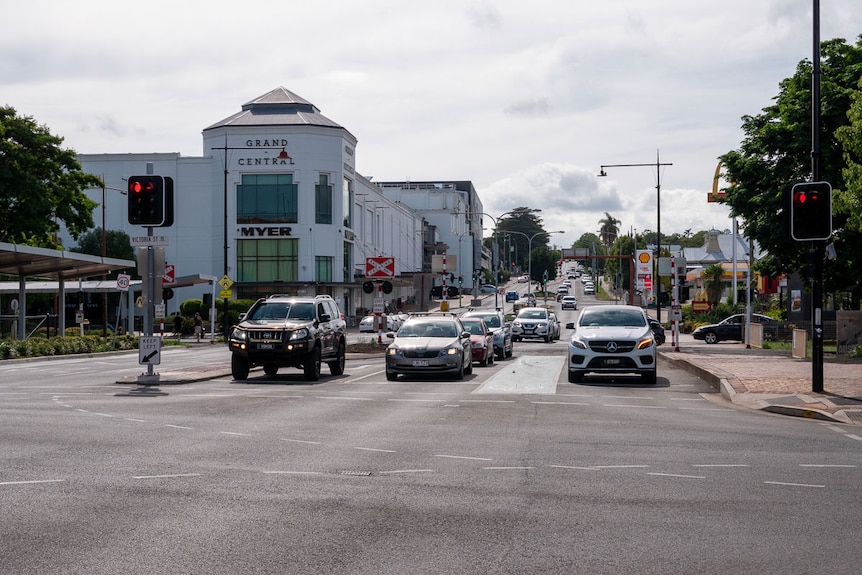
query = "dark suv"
x=289 y=331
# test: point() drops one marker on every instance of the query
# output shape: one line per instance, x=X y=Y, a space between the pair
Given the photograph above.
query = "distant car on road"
x=569 y=302
x=432 y=343
x=488 y=288
x=532 y=322
x=512 y=296
x=500 y=328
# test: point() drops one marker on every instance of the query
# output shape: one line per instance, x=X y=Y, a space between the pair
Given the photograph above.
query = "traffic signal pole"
x=818 y=246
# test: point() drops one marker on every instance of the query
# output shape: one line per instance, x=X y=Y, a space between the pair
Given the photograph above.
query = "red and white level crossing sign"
x=168 y=276
x=380 y=267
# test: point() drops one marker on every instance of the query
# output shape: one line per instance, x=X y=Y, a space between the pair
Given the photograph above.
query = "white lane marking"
x=677 y=475
x=136 y=420
x=574 y=467
x=627 y=397
x=720 y=465
x=375 y=449
x=851 y=436
x=301 y=441
x=293 y=472
x=395 y=471
x=235 y=433
x=792 y=484
x=636 y=406
x=507 y=468
x=558 y=403
x=32 y=482
x=487 y=401
x=826 y=465
x=464 y=457
x=413 y=400
x=366 y=376
x=178 y=426
x=169 y=476
x=618 y=466
x=346 y=398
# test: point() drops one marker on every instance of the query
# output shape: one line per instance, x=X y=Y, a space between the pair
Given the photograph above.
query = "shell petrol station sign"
x=643 y=269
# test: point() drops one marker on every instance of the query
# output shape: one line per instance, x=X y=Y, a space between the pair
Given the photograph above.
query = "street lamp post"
x=530 y=249
x=657 y=164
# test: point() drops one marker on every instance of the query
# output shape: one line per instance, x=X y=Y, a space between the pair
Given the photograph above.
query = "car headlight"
x=451 y=351
x=298 y=334
x=646 y=342
x=239 y=334
x=579 y=343
x=393 y=351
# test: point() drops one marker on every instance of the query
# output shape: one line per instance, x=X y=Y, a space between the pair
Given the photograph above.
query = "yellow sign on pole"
x=225 y=294
x=225 y=282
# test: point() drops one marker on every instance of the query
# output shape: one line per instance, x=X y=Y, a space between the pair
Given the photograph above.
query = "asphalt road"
x=355 y=474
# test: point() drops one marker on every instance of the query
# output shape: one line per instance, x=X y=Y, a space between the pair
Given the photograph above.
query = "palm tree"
x=609 y=229
x=712 y=282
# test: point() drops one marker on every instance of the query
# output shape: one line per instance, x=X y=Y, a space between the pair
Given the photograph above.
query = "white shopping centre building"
x=276 y=204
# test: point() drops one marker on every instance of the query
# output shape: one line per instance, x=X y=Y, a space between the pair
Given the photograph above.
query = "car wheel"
x=311 y=367
x=239 y=367
x=511 y=351
x=337 y=367
x=459 y=373
x=547 y=339
x=710 y=337
x=391 y=376
x=501 y=355
x=649 y=377
x=491 y=358
x=469 y=368
x=576 y=376
x=270 y=369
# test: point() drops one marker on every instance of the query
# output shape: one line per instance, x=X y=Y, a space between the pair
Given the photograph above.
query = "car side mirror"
x=324 y=317
x=465 y=334
x=390 y=335
x=570 y=325
x=241 y=316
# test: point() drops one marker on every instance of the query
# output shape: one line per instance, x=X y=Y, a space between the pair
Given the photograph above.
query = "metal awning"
x=43 y=263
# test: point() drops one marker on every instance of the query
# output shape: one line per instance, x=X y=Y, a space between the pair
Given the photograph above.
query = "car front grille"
x=612 y=346
x=421 y=353
x=265 y=336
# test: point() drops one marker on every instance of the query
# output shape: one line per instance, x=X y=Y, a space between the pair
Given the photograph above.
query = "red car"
x=481 y=340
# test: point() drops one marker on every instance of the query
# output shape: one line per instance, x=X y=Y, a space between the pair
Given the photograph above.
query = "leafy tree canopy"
x=41 y=184
x=775 y=153
x=117 y=245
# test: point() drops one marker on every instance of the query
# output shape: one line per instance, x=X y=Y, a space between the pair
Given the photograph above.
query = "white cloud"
x=527 y=101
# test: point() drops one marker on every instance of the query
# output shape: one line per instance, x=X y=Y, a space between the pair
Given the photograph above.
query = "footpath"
x=774 y=381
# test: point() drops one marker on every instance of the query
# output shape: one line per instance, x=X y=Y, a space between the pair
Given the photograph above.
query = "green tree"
x=776 y=153
x=117 y=245
x=41 y=184
x=849 y=200
x=524 y=224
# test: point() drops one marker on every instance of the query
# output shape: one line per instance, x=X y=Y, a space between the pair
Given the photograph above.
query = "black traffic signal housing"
x=811 y=211
x=460 y=280
x=151 y=201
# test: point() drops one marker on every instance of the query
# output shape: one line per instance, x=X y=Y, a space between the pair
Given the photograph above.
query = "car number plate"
x=612 y=362
x=420 y=363
x=265 y=346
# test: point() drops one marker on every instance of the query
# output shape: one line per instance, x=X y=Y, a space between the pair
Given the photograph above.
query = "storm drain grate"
x=854 y=414
x=356 y=473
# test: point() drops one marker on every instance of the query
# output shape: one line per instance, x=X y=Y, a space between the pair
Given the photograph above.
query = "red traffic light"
x=137 y=186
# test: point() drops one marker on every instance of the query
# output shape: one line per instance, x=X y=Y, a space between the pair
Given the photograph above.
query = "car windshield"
x=270 y=311
x=491 y=320
x=614 y=318
x=533 y=314
x=428 y=329
x=474 y=327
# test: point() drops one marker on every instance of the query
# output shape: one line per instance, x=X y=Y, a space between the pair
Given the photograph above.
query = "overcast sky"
x=526 y=99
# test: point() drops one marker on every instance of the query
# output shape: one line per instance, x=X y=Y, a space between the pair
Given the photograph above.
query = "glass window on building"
x=347 y=260
x=347 y=203
x=323 y=268
x=267 y=260
x=267 y=199
x=323 y=201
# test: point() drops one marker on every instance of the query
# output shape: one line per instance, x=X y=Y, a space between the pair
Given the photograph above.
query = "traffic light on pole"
x=146 y=200
x=811 y=211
